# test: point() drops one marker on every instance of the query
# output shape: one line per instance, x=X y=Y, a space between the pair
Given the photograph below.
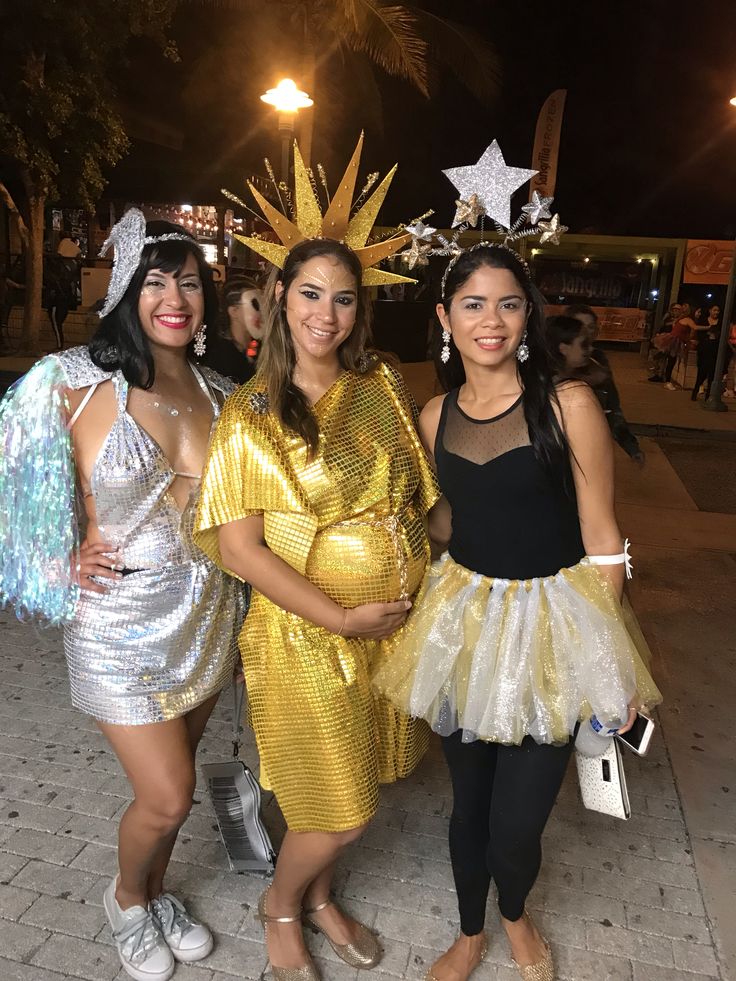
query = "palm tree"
x=354 y=37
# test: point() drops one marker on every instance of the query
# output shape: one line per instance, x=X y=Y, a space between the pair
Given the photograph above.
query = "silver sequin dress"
x=163 y=639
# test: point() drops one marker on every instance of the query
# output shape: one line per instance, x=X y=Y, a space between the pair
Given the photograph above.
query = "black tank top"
x=512 y=518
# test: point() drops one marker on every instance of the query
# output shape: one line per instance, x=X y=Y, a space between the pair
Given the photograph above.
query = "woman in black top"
x=706 y=339
x=518 y=633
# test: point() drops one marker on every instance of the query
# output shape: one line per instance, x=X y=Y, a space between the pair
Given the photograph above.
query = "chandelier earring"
x=200 y=341
x=445 y=353
x=522 y=351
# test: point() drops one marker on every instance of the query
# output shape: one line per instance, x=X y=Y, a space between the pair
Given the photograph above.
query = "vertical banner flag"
x=547 y=145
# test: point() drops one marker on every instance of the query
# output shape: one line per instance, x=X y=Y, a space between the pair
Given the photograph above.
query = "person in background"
x=596 y=370
x=682 y=330
x=707 y=335
x=729 y=381
x=234 y=350
x=13 y=292
x=59 y=292
x=68 y=247
x=658 y=349
x=669 y=318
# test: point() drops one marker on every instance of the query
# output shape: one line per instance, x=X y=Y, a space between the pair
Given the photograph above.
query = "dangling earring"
x=445 y=353
x=200 y=341
x=522 y=351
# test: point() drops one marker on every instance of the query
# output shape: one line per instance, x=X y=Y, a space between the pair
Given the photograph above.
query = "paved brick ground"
x=618 y=901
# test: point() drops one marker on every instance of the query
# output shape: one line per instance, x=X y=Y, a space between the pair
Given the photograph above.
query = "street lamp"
x=287 y=100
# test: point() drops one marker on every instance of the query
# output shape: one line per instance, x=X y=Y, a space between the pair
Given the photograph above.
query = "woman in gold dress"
x=316 y=492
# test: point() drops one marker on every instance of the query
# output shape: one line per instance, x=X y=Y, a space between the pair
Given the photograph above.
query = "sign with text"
x=708 y=261
x=547 y=145
x=625 y=324
x=607 y=283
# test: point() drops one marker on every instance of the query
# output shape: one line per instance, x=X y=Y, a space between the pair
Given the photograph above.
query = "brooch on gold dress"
x=259 y=403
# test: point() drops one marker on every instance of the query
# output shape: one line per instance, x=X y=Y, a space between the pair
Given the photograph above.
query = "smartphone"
x=639 y=735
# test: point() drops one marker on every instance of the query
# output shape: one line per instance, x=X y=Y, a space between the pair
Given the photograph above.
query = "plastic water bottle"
x=594 y=736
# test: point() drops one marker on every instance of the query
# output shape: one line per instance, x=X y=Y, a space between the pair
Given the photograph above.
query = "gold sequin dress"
x=352 y=521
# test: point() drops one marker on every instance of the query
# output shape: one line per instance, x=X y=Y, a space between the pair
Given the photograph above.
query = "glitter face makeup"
x=171 y=306
x=321 y=306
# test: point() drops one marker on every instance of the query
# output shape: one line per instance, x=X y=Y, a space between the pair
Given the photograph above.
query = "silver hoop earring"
x=522 y=351
x=200 y=341
x=445 y=353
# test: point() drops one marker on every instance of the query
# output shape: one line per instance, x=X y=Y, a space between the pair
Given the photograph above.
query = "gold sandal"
x=308 y=971
x=363 y=952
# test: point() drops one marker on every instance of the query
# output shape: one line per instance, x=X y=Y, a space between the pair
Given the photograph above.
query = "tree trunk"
x=32 y=311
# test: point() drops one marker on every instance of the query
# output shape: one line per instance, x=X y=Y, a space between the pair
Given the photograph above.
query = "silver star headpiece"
x=485 y=190
x=128 y=236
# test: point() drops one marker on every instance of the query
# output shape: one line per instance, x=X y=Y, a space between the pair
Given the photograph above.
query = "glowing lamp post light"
x=287 y=100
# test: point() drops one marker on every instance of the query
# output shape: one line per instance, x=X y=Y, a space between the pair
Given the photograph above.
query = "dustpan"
x=236 y=798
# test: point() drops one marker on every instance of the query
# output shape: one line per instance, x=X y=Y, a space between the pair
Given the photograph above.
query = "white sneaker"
x=671 y=387
x=188 y=939
x=142 y=950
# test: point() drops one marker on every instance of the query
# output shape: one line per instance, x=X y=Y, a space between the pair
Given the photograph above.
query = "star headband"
x=485 y=190
x=347 y=221
x=128 y=236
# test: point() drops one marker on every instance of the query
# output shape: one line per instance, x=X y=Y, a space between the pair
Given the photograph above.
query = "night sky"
x=648 y=139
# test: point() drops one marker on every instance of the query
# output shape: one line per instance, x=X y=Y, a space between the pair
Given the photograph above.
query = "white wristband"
x=621 y=558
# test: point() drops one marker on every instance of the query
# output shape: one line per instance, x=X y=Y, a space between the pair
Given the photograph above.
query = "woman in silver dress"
x=152 y=639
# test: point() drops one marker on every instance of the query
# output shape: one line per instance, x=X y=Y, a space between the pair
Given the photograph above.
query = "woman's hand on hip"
x=97 y=560
x=375 y=621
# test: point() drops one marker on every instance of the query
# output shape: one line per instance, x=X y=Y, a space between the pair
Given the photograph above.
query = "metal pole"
x=286 y=132
x=714 y=402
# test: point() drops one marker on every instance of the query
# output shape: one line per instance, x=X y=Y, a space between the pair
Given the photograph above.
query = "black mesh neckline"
x=480 y=441
x=492 y=418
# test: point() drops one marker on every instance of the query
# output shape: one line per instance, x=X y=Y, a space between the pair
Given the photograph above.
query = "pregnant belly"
x=358 y=563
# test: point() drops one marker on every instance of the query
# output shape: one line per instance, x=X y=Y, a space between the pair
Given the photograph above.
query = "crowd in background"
x=688 y=333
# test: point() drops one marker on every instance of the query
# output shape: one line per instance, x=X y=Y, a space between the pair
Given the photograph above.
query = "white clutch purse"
x=603 y=782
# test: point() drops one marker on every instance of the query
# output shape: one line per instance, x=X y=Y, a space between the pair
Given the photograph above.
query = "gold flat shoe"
x=543 y=970
x=483 y=951
x=364 y=952
x=308 y=971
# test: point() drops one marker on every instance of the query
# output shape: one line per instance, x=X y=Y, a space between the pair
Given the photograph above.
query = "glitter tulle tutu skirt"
x=502 y=659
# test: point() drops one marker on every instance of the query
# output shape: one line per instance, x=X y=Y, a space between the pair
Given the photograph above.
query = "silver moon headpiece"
x=128 y=237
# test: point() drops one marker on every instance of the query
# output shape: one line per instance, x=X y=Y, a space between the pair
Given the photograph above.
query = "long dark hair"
x=120 y=342
x=278 y=358
x=561 y=329
x=535 y=374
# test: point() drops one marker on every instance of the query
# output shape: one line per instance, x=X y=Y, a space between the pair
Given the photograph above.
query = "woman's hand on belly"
x=375 y=621
x=98 y=559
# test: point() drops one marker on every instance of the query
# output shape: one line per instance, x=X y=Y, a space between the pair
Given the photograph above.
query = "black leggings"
x=503 y=796
x=706 y=373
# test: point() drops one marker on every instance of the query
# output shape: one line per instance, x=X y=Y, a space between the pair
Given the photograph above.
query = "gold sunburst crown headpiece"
x=337 y=222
